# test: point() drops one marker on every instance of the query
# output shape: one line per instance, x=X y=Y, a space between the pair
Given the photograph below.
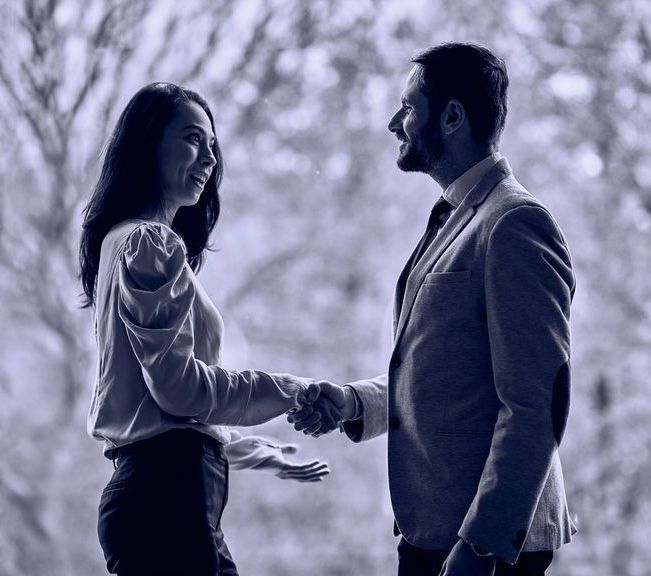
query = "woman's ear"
x=452 y=117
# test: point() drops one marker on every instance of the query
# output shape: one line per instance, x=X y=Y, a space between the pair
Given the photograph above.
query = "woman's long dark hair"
x=128 y=184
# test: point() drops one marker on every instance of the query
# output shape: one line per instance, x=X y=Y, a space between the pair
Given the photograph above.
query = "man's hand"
x=325 y=406
x=463 y=561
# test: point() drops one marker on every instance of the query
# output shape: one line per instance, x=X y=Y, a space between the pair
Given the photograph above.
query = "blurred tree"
x=51 y=64
x=591 y=62
x=317 y=223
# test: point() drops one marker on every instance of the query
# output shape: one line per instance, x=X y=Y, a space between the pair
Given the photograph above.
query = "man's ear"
x=452 y=117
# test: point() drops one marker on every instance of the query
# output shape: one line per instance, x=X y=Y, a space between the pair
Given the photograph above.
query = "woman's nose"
x=208 y=158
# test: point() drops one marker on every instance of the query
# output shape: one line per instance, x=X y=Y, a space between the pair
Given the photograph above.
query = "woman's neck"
x=163 y=216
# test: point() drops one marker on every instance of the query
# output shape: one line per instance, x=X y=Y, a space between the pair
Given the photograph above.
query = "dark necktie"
x=438 y=217
x=440 y=213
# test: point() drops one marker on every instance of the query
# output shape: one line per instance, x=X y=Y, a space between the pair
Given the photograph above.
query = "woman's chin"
x=192 y=197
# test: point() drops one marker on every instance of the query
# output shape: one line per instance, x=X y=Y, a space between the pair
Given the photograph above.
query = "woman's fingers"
x=305 y=466
x=310 y=472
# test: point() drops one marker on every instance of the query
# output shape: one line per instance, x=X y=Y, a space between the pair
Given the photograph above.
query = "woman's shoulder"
x=152 y=251
x=135 y=236
x=144 y=246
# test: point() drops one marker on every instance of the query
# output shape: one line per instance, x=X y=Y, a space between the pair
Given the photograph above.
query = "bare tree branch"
x=262 y=272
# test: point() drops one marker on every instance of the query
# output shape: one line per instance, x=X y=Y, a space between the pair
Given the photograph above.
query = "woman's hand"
x=314 y=471
x=295 y=387
x=264 y=454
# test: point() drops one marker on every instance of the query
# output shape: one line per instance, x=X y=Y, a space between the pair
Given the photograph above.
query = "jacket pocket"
x=447 y=277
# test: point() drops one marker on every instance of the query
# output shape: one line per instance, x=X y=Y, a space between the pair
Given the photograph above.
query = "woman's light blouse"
x=159 y=338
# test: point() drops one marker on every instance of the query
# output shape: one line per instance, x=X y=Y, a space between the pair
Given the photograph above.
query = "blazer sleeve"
x=156 y=293
x=372 y=393
x=529 y=286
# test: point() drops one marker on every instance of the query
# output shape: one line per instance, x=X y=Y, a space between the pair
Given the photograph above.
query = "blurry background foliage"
x=317 y=222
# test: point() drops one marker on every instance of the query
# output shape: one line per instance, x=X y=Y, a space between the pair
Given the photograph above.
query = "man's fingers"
x=309 y=422
x=315 y=427
x=300 y=415
x=329 y=415
x=333 y=391
x=323 y=430
x=321 y=417
x=312 y=393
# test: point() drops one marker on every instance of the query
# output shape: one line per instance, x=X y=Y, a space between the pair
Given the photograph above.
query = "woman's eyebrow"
x=197 y=127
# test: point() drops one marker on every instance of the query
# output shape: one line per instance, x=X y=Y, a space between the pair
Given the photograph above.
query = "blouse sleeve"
x=156 y=293
x=253 y=453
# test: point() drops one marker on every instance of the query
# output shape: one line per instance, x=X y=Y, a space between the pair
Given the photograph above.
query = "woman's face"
x=185 y=156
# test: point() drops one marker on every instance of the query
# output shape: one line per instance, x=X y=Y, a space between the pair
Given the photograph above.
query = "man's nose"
x=395 y=123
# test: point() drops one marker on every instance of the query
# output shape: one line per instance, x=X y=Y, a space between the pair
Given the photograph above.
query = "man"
x=476 y=395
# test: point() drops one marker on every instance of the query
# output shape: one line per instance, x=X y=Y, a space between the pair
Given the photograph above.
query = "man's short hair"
x=471 y=74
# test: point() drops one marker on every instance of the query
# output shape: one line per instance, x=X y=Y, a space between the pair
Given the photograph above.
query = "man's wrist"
x=479 y=551
x=353 y=407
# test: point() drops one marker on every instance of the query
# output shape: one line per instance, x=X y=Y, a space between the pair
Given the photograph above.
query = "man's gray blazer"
x=477 y=392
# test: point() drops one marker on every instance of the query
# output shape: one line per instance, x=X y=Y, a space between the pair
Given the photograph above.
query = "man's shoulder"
x=509 y=197
x=510 y=207
x=508 y=194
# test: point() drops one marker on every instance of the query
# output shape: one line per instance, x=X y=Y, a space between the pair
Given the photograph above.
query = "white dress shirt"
x=458 y=190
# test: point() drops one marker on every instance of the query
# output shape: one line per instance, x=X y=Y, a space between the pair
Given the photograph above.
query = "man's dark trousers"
x=415 y=561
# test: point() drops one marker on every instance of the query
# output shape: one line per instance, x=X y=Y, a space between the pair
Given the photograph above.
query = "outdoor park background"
x=317 y=222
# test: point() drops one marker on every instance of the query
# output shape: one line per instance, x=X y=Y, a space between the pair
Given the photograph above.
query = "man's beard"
x=420 y=155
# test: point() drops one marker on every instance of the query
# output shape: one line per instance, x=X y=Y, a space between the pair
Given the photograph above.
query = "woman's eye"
x=195 y=138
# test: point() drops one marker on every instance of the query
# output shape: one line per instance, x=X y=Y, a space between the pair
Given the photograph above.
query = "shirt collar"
x=458 y=190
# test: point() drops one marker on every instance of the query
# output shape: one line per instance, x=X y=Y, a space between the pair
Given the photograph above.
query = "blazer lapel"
x=452 y=228
x=399 y=292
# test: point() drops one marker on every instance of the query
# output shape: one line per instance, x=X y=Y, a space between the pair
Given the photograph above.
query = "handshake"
x=323 y=406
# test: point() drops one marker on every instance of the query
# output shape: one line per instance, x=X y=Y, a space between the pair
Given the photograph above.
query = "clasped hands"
x=323 y=407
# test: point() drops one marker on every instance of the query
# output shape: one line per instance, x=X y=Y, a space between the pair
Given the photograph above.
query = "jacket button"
x=395 y=362
x=394 y=423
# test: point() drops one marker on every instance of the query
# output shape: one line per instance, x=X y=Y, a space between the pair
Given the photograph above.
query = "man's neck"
x=454 y=165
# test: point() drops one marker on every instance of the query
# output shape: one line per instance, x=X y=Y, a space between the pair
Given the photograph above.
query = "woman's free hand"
x=260 y=453
x=314 y=471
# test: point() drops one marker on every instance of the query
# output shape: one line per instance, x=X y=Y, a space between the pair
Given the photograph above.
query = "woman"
x=161 y=402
